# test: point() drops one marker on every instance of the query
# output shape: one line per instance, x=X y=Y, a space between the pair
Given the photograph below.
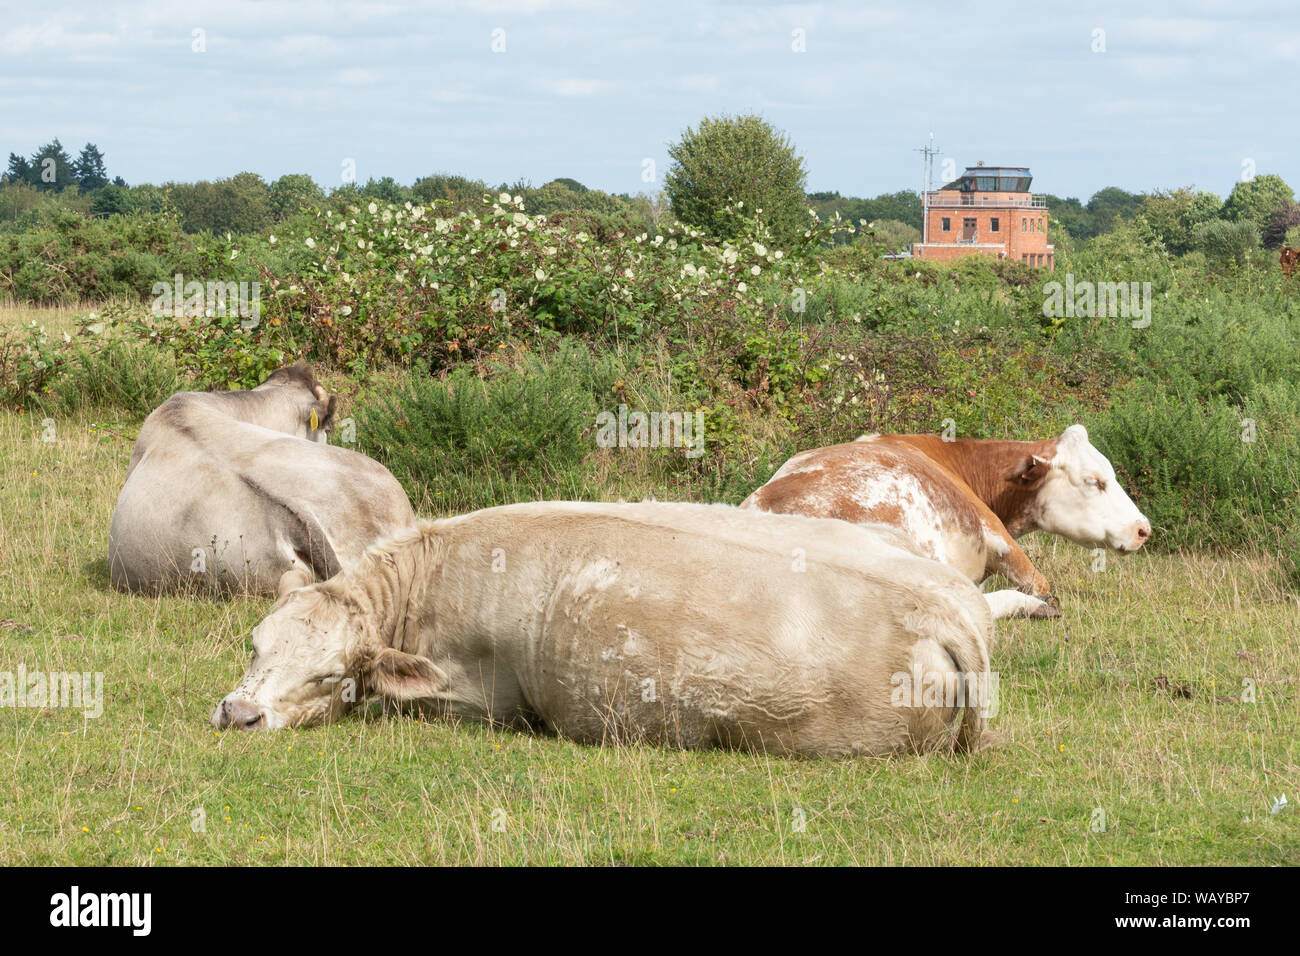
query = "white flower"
x=778 y=254
x=760 y=249
x=754 y=270
x=373 y=208
x=741 y=287
x=628 y=273
x=311 y=243
x=503 y=198
x=540 y=274
x=272 y=240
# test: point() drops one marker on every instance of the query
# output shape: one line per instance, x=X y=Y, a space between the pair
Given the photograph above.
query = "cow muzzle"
x=1139 y=536
x=237 y=714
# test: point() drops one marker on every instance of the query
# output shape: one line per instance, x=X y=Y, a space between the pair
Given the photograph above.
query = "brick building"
x=987 y=210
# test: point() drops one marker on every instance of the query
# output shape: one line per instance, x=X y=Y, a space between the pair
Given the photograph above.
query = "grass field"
x=1125 y=738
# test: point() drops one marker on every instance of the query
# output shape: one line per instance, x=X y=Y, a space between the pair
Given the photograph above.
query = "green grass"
x=1083 y=725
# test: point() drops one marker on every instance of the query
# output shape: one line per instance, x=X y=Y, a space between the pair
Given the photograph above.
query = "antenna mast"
x=929 y=151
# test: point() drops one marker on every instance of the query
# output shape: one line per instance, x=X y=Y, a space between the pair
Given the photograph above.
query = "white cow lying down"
x=689 y=625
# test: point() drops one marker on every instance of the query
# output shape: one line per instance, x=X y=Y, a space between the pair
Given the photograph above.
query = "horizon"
x=531 y=91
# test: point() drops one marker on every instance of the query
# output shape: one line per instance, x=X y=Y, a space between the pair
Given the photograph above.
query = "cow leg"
x=1005 y=557
x=1012 y=603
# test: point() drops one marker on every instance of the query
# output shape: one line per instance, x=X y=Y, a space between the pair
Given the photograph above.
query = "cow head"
x=308 y=410
x=1077 y=496
x=314 y=656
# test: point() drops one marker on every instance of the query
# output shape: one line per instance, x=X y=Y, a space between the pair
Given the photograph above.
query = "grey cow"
x=688 y=625
x=240 y=491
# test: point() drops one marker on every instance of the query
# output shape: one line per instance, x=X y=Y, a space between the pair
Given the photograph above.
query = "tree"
x=732 y=160
x=19 y=171
x=1285 y=218
x=447 y=188
x=52 y=167
x=1174 y=214
x=903 y=206
x=240 y=204
x=89 y=169
x=1108 y=206
x=895 y=236
x=111 y=200
x=387 y=189
x=650 y=208
x=560 y=195
x=1254 y=200
x=1072 y=216
x=292 y=192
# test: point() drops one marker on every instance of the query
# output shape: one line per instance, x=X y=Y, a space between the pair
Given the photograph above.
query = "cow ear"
x=291 y=580
x=1029 y=472
x=400 y=676
x=322 y=413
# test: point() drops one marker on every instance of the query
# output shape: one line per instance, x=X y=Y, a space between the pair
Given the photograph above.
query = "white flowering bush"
x=384 y=282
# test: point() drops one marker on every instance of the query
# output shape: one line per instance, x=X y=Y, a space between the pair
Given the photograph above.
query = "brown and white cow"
x=964 y=502
x=1289 y=258
x=694 y=626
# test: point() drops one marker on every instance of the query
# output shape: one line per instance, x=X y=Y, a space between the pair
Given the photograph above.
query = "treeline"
x=36 y=190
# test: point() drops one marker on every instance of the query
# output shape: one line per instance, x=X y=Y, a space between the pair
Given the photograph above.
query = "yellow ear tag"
x=315 y=422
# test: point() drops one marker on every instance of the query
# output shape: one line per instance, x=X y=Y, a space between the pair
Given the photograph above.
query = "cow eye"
x=1098 y=483
x=327 y=679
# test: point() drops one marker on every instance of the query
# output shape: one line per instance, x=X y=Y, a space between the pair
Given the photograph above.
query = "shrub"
x=1226 y=244
x=1212 y=474
x=116 y=374
x=466 y=441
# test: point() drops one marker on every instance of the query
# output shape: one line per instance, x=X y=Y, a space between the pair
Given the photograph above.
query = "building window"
x=993 y=225
x=1024 y=225
x=947 y=224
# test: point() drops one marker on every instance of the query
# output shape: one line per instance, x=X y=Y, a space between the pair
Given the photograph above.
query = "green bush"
x=1226 y=244
x=120 y=375
x=1212 y=474
x=466 y=441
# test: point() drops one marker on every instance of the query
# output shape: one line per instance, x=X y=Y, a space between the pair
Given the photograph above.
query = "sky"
x=1138 y=95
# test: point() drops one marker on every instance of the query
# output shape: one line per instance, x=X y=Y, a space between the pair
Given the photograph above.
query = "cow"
x=686 y=625
x=240 y=491
x=966 y=501
x=1289 y=259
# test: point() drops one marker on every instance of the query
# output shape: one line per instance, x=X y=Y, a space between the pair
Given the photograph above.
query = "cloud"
x=356 y=76
x=698 y=83
x=51 y=35
x=575 y=87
